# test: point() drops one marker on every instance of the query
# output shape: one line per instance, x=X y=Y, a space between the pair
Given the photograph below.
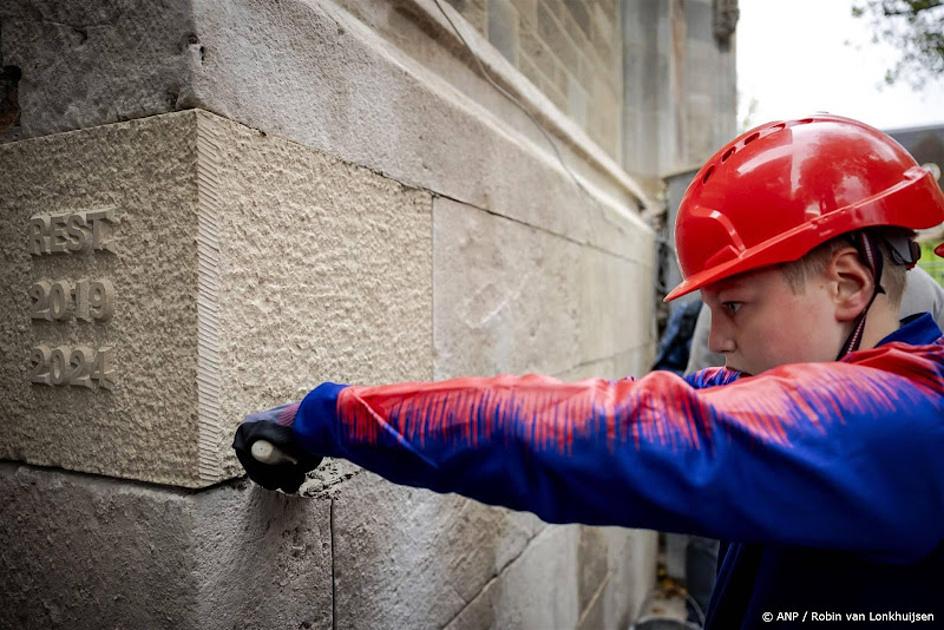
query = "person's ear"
x=851 y=284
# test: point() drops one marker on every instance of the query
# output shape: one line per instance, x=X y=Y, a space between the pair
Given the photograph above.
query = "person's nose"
x=720 y=339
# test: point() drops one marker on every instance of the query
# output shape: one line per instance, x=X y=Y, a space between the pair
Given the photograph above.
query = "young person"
x=922 y=294
x=816 y=451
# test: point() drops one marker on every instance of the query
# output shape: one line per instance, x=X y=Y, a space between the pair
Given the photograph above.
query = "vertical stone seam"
x=209 y=382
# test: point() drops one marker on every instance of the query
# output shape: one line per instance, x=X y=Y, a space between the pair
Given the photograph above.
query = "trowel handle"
x=265 y=452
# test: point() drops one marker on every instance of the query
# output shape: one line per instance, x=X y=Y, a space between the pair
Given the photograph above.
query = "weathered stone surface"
x=86 y=64
x=309 y=71
x=83 y=552
x=512 y=298
x=621 y=565
x=245 y=270
x=569 y=576
x=616 y=301
x=631 y=559
x=592 y=566
x=408 y=558
x=539 y=589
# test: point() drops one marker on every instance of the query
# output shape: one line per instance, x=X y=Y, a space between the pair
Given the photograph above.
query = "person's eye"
x=732 y=307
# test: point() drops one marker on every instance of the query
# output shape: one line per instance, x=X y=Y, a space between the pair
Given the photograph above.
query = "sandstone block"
x=164 y=277
x=91 y=553
x=409 y=558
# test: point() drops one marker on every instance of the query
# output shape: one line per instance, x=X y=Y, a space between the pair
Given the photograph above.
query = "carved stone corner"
x=724 y=18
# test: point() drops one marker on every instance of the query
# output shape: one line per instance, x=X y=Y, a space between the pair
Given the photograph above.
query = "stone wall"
x=287 y=193
x=652 y=82
x=569 y=49
x=680 y=97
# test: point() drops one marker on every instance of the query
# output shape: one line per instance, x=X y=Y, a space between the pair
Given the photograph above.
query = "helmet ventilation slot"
x=711 y=169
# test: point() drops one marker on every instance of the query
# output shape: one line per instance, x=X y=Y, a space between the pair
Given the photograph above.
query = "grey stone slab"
x=701 y=141
x=408 y=558
x=510 y=298
x=698 y=21
x=632 y=555
x=85 y=64
x=538 y=590
x=592 y=565
x=527 y=9
x=580 y=13
x=555 y=36
x=262 y=559
x=84 y=552
x=615 y=300
x=505 y=295
x=592 y=617
x=243 y=270
x=675 y=555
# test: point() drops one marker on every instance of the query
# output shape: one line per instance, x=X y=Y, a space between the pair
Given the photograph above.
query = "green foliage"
x=931 y=262
x=916 y=28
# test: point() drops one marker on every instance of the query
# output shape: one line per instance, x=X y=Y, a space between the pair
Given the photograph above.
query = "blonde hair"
x=816 y=260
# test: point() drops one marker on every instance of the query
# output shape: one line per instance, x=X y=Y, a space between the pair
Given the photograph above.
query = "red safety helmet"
x=777 y=191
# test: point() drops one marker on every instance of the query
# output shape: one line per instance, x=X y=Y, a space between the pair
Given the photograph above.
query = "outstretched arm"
x=837 y=455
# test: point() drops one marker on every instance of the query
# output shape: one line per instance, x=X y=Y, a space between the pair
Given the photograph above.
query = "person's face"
x=758 y=322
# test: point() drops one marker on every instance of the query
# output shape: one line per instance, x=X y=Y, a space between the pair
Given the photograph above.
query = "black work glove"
x=291 y=462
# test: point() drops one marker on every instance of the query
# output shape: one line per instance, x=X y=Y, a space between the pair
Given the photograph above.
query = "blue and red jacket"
x=826 y=478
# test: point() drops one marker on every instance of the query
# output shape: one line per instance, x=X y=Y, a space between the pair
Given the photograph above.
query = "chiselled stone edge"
x=209 y=381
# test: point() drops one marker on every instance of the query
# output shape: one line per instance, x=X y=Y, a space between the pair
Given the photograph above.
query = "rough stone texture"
x=236 y=556
x=246 y=270
x=85 y=64
x=591 y=566
x=91 y=553
x=512 y=298
x=147 y=426
x=408 y=558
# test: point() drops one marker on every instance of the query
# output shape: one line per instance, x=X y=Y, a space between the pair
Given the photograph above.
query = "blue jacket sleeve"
x=837 y=455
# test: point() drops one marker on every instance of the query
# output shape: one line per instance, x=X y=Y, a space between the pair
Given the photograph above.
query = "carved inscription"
x=60 y=300
x=72 y=233
x=80 y=366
